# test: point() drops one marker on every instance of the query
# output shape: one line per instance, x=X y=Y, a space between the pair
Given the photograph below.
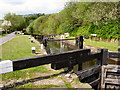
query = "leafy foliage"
x=0 y=23
x=31 y=17
x=82 y=18
x=17 y=21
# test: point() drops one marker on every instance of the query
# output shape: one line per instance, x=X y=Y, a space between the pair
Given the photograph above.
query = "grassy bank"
x=3 y=35
x=19 y=47
x=102 y=44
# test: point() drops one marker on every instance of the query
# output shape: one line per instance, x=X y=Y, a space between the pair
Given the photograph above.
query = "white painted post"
x=66 y=35
x=62 y=37
x=41 y=46
x=6 y=66
x=29 y=37
x=33 y=49
x=31 y=40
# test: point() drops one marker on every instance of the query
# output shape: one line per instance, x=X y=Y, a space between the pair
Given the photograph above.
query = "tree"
x=17 y=21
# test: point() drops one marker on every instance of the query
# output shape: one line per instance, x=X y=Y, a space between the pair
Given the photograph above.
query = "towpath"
x=7 y=38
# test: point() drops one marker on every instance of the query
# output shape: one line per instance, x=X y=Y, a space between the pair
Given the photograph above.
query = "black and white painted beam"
x=57 y=61
x=23 y=63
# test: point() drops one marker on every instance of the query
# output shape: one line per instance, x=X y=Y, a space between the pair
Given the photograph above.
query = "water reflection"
x=59 y=47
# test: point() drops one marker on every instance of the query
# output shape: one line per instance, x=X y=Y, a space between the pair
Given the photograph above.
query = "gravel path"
x=7 y=38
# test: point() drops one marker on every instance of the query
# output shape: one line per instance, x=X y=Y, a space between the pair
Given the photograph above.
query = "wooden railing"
x=61 y=60
x=68 y=59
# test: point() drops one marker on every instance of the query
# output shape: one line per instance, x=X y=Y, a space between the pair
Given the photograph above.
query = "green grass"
x=3 y=35
x=30 y=85
x=102 y=44
x=23 y=74
x=19 y=47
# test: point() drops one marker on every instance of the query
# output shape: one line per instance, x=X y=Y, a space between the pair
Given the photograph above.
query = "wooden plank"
x=60 y=39
x=113 y=68
x=103 y=76
x=88 y=72
x=46 y=59
x=59 y=65
x=90 y=56
x=112 y=81
x=110 y=75
x=71 y=61
x=113 y=75
x=105 y=55
x=76 y=59
x=113 y=55
x=95 y=82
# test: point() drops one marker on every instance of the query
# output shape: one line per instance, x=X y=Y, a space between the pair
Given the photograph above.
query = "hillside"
x=81 y=18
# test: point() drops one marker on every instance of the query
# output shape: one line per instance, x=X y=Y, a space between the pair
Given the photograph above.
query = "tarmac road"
x=7 y=38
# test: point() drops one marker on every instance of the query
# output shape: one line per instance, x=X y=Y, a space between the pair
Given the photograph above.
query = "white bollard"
x=66 y=35
x=31 y=40
x=62 y=37
x=41 y=46
x=33 y=49
x=29 y=37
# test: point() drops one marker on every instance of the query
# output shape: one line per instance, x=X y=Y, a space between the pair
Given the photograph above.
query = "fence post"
x=118 y=53
x=99 y=59
x=80 y=47
x=35 y=37
x=118 y=48
x=76 y=41
x=105 y=55
x=81 y=42
x=45 y=42
x=70 y=68
x=102 y=60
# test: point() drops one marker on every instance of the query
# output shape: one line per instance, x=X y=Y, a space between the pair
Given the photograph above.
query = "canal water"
x=58 y=47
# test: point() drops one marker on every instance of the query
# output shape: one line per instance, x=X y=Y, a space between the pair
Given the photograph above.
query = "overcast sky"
x=30 y=6
x=35 y=6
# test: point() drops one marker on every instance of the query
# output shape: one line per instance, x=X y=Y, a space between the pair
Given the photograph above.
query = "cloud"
x=13 y=2
x=31 y=6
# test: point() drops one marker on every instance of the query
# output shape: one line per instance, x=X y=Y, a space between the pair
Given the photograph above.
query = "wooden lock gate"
x=62 y=60
x=110 y=77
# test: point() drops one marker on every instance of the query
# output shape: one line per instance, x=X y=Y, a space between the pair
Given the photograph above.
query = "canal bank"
x=66 y=78
x=36 y=77
x=92 y=48
x=72 y=43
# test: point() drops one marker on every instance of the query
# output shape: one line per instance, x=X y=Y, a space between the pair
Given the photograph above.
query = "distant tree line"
x=81 y=18
x=19 y=22
x=1 y=23
x=31 y=17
